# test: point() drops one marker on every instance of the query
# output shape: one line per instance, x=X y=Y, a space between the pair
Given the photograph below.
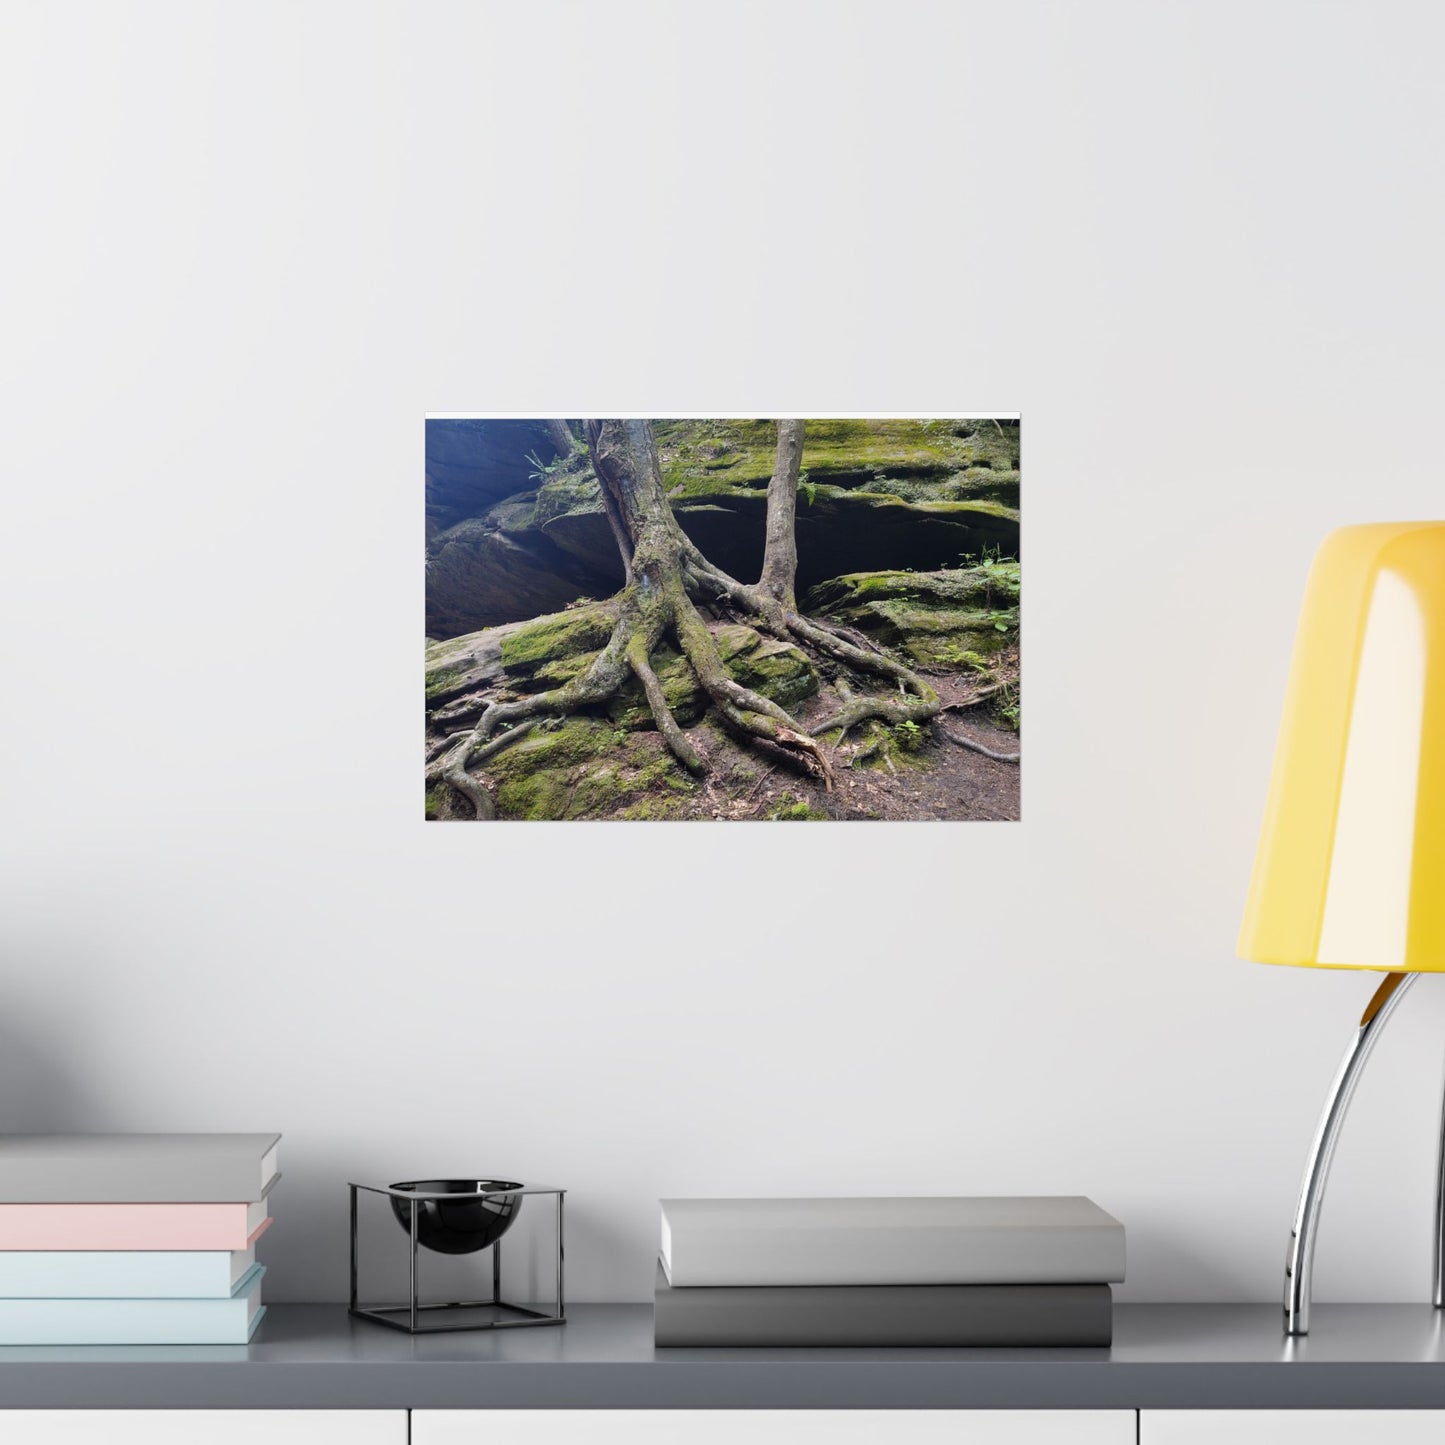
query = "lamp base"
x=1299 y=1263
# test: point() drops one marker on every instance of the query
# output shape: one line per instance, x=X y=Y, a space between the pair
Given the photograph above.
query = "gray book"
x=136 y=1168
x=883 y=1315
x=1063 y=1239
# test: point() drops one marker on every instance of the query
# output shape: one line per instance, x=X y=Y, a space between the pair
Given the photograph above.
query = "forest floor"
x=612 y=764
x=938 y=781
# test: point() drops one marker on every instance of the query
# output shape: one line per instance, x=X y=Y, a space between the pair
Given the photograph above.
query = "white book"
x=122 y=1274
x=1049 y=1239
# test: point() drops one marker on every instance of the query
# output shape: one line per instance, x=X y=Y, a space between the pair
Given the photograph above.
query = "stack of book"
x=132 y=1239
x=881 y=1272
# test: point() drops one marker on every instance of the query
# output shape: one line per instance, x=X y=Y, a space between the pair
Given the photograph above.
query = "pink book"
x=132 y=1226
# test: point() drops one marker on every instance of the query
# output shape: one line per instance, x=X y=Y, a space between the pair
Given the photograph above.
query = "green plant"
x=1006 y=708
x=542 y=470
x=807 y=488
x=909 y=734
x=1000 y=577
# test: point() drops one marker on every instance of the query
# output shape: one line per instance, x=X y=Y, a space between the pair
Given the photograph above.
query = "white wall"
x=247 y=247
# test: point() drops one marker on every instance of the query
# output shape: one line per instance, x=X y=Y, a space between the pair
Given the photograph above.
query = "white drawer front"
x=773 y=1427
x=1292 y=1427
x=202 y=1427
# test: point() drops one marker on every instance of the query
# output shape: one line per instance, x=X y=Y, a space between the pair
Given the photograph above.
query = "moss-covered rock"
x=943 y=620
x=584 y=767
x=874 y=493
x=557 y=638
x=518 y=657
x=698 y=455
x=914 y=494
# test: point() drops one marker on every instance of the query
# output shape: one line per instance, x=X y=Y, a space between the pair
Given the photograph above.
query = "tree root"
x=452 y=769
x=774 y=616
x=969 y=743
x=667 y=724
x=643 y=617
x=981 y=696
x=747 y=711
x=757 y=718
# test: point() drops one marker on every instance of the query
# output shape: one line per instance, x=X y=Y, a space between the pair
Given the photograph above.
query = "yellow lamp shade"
x=1350 y=871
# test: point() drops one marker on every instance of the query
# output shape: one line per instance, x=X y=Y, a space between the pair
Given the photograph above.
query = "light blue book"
x=122 y=1274
x=229 y=1321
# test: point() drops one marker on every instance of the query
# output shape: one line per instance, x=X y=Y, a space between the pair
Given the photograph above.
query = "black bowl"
x=462 y=1225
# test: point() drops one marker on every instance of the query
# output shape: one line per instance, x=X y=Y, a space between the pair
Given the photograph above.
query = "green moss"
x=652 y=810
x=564 y=669
x=777 y=670
x=595 y=791
x=990 y=445
x=575 y=740
x=940 y=620
x=926 y=506
x=884 y=749
x=557 y=636
x=436 y=800
x=745 y=450
x=563 y=493
x=583 y=769
x=701 y=456
x=537 y=798
x=927 y=474
x=789 y=809
x=1000 y=486
x=441 y=680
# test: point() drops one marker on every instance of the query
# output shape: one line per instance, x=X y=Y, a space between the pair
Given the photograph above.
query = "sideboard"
x=1176 y=1375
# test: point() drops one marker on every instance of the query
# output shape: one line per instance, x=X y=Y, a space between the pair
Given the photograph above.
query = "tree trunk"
x=561 y=438
x=780 y=553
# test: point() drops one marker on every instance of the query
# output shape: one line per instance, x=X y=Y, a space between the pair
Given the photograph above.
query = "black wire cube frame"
x=415 y=1318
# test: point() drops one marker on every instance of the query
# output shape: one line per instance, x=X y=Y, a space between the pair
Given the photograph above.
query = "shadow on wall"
x=39 y=1092
x=1173 y=1262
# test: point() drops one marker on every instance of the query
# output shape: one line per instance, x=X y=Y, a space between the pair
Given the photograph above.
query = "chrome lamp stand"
x=1299 y=1266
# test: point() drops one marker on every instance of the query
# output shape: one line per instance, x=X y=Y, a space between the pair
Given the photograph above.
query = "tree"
x=667 y=580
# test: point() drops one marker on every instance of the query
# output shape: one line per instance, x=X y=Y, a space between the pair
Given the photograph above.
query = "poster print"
x=722 y=619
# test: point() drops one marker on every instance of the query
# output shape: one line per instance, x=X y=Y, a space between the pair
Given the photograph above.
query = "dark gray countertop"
x=1164 y=1356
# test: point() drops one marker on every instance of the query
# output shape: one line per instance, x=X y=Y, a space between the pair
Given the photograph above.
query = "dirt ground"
x=941 y=781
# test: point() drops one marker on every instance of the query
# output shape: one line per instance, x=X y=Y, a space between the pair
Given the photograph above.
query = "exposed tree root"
x=452 y=769
x=969 y=743
x=917 y=701
x=667 y=724
x=979 y=697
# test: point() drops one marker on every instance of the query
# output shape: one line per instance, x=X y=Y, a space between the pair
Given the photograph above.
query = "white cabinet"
x=773 y=1427
x=1291 y=1427
x=202 y=1427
